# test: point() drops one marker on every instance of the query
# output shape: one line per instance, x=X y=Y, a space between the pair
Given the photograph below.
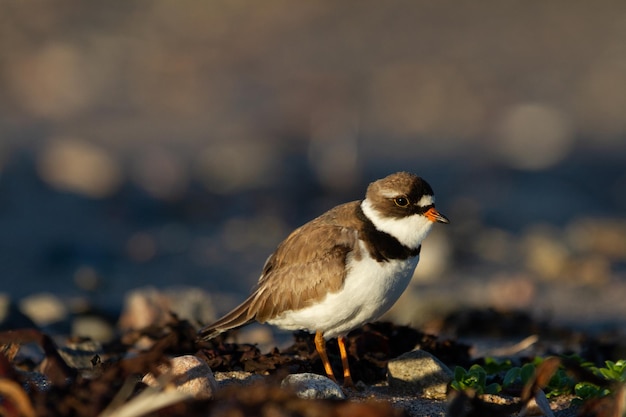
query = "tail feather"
x=239 y=316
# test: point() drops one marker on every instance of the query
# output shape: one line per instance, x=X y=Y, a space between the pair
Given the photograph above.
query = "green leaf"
x=459 y=373
x=511 y=376
x=493 y=388
x=528 y=370
x=456 y=385
x=494 y=366
x=586 y=390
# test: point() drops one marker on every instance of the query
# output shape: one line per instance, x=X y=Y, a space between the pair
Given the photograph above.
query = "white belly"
x=370 y=289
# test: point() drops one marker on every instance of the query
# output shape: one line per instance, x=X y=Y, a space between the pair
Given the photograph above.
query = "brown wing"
x=309 y=264
x=305 y=267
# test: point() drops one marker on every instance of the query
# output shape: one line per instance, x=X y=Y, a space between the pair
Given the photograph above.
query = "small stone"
x=189 y=375
x=146 y=307
x=240 y=378
x=420 y=372
x=44 y=308
x=92 y=327
x=81 y=354
x=312 y=386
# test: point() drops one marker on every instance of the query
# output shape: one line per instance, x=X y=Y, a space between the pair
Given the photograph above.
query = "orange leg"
x=320 y=345
x=347 y=378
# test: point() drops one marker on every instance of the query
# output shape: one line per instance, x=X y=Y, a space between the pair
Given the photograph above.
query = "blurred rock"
x=150 y=307
x=161 y=173
x=419 y=372
x=545 y=254
x=80 y=167
x=581 y=254
x=590 y=269
x=44 y=309
x=55 y=80
x=81 y=354
x=605 y=237
x=313 y=386
x=519 y=129
x=511 y=292
x=92 y=327
x=188 y=374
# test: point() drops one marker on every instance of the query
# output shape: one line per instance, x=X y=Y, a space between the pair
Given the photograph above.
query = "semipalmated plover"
x=344 y=268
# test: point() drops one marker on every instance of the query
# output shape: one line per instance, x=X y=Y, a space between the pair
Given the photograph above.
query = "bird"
x=343 y=269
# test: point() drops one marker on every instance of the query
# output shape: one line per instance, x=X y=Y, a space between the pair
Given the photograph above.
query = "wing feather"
x=309 y=264
x=306 y=266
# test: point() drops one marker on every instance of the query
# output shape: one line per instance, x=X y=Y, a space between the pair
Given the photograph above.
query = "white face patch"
x=426 y=200
x=410 y=231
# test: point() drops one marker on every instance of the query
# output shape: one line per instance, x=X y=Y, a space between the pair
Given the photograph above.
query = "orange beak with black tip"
x=434 y=216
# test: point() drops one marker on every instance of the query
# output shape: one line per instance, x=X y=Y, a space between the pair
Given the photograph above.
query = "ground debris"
x=110 y=381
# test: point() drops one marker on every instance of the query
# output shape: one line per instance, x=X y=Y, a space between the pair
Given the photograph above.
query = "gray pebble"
x=312 y=386
x=188 y=374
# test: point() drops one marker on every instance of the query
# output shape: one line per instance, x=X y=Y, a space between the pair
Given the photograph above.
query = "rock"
x=312 y=386
x=241 y=378
x=44 y=309
x=420 y=372
x=189 y=374
x=192 y=304
x=93 y=327
x=146 y=307
x=81 y=354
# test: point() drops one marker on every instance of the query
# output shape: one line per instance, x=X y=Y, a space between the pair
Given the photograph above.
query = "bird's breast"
x=370 y=288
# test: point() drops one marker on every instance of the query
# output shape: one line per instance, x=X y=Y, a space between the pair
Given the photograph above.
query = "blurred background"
x=177 y=143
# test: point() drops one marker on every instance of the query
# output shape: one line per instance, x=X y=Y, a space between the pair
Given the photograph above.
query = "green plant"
x=496 y=376
x=503 y=376
x=612 y=372
x=474 y=378
x=495 y=366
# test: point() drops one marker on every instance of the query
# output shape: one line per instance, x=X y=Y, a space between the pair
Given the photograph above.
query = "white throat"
x=410 y=231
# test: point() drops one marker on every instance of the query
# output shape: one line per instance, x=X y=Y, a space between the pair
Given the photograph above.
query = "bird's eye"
x=401 y=201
